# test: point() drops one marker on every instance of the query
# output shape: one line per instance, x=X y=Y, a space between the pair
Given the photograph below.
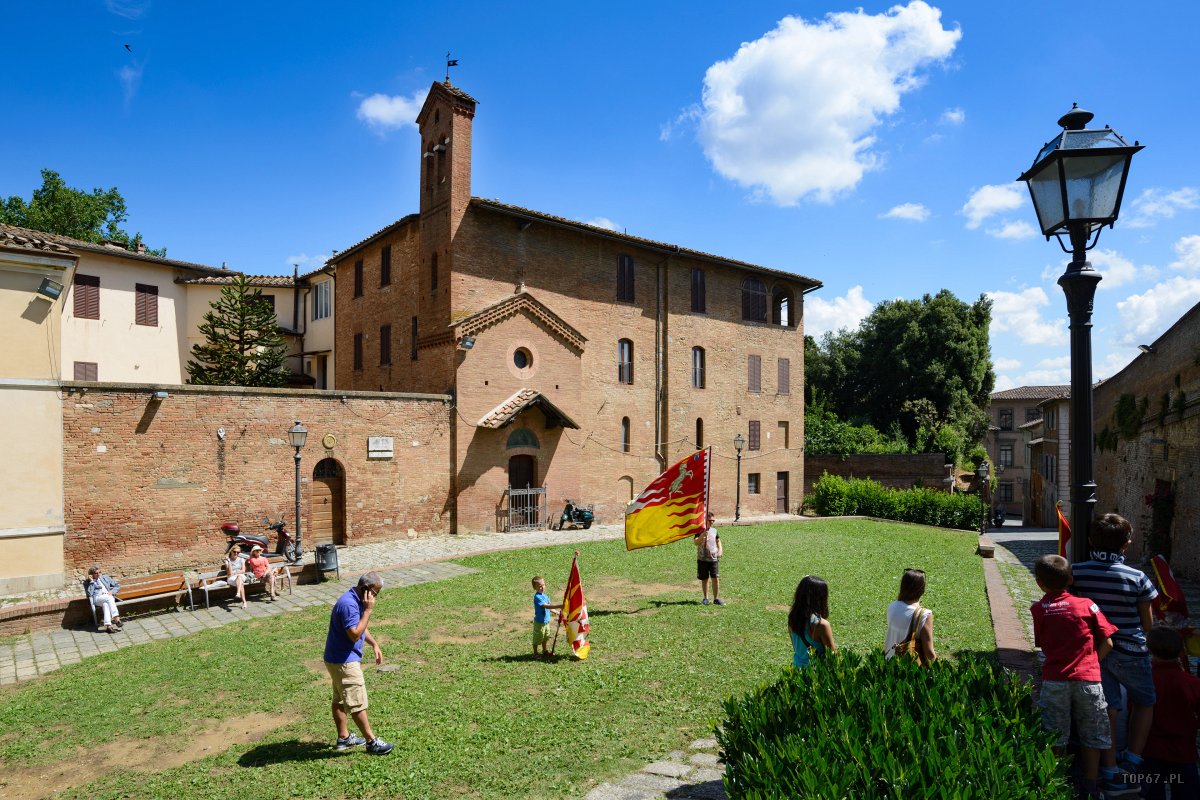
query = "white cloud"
x=1117 y=270
x=1145 y=316
x=793 y=113
x=1050 y=371
x=131 y=80
x=129 y=9
x=603 y=222
x=391 y=112
x=1013 y=230
x=910 y=211
x=1019 y=313
x=1154 y=204
x=1006 y=364
x=824 y=316
x=689 y=116
x=306 y=262
x=953 y=116
x=1188 y=250
x=1113 y=363
x=987 y=201
x=1004 y=382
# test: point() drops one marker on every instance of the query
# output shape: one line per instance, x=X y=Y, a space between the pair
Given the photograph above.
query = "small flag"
x=574 y=613
x=1170 y=594
x=1064 y=530
x=452 y=62
x=674 y=505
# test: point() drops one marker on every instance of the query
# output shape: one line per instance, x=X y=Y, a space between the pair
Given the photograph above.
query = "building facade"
x=583 y=362
x=1009 y=410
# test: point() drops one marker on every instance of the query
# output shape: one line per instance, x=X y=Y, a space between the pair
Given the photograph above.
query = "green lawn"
x=471 y=713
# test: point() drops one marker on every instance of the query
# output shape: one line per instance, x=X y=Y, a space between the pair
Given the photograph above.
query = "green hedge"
x=855 y=727
x=833 y=496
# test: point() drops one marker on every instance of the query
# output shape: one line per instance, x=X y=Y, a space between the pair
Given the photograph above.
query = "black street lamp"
x=298 y=434
x=739 y=442
x=1076 y=183
x=983 y=472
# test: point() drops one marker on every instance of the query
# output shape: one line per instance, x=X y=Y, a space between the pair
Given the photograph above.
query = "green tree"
x=58 y=208
x=243 y=346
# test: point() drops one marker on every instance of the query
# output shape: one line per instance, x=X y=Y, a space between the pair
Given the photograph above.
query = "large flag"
x=574 y=612
x=1170 y=594
x=672 y=507
x=1064 y=530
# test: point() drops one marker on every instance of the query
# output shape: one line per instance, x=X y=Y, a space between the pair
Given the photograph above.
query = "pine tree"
x=243 y=346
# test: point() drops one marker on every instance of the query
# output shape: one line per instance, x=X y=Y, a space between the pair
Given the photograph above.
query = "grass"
x=471 y=713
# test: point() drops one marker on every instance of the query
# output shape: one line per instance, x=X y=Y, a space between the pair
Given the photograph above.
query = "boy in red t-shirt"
x=1170 y=753
x=1074 y=635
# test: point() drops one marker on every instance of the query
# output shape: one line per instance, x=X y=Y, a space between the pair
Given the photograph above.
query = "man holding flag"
x=708 y=555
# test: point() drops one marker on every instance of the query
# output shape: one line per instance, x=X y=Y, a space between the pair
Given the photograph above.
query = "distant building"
x=1009 y=410
x=1046 y=473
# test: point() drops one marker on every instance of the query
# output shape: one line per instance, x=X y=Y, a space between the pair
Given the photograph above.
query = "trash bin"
x=327 y=560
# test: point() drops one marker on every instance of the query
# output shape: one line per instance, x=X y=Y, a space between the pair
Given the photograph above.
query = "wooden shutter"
x=785 y=376
x=755 y=435
x=385 y=345
x=385 y=265
x=625 y=278
x=413 y=353
x=698 y=299
x=85 y=371
x=358 y=278
x=87 y=296
x=145 y=305
x=358 y=351
x=754 y=373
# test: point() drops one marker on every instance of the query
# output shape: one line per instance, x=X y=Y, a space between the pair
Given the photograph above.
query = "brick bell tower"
x=445 y=127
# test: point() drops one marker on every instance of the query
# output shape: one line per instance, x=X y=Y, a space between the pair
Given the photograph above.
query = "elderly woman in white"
x=102 y=593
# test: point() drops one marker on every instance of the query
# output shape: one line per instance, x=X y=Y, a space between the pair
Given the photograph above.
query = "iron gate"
x=527 y=509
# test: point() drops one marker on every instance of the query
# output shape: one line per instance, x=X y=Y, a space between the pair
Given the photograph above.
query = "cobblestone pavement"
x=694 y=774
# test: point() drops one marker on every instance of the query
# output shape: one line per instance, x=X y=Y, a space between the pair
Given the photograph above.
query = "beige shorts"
x=349 y=688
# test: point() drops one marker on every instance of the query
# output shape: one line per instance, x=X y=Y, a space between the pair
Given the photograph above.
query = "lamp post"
x=982 y=472
x=739 y=442
x=298 y=434
x=1076 y=183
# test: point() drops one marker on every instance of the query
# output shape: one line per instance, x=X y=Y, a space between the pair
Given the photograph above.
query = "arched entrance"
x=526 y=500
x=328 y=513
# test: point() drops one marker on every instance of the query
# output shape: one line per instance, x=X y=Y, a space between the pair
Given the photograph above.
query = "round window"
x=522 y=358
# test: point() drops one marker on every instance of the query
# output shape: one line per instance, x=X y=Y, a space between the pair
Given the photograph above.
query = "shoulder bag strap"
x=913 y=626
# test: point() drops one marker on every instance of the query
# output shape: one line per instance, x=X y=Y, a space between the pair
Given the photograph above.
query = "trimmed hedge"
x=834 y=496
x=855 y=727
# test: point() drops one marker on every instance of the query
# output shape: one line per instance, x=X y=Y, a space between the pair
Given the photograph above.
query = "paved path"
x=694 y=774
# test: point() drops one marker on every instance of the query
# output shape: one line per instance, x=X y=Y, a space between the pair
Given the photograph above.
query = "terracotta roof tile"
x=507 y=411
x=1030 y=393
x=19 y=238
x=93 y=247
x=273 y=281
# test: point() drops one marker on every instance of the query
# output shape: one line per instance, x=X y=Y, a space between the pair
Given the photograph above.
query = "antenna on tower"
x=450 y=62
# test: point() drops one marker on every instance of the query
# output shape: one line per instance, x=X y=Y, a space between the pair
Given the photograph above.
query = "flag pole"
x=554 y=644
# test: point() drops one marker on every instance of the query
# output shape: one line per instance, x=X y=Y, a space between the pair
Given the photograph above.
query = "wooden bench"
x=209 y=582
x=149 y=587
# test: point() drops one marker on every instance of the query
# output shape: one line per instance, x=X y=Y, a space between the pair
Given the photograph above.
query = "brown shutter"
x=785 y=376
x=358 y=351
x=385 y=265
x=625 y=278
x=145 y=306
x=755 y=435
x=698 y=299
x=413 y=353
x=87 y=296
x=358 y=278
x=85 y=370
x=385 y=345
x=754 y=373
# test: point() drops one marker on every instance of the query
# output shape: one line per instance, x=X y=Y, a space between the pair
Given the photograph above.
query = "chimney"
x=141 y=246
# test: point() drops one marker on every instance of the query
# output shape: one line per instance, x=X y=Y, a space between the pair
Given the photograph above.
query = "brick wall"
x=148 y=483
x=1166 y=448
x=898 y=471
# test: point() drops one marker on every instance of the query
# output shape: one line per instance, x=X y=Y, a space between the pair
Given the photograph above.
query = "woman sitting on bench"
x=262 y=569
x=101 y=591
x=235 y=572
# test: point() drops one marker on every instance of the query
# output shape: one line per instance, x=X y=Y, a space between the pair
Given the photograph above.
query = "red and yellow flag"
x=1064 y=530
x=673 y=506
x=574 y=613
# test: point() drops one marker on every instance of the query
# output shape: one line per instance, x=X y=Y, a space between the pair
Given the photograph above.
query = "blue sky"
x=874 y=149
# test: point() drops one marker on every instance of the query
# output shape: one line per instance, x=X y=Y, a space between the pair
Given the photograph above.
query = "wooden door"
x=781 y=493
x=328 y=503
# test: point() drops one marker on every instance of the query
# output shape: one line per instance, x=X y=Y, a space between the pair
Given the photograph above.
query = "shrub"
x=863 y=727
x=834 y=496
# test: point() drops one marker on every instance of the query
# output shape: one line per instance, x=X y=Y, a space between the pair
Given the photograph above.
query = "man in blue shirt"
x=343 y=660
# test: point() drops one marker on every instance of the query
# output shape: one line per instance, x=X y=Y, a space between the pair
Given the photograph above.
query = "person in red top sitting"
x=1170 y=752
x=1074 y=635
x=262 y=569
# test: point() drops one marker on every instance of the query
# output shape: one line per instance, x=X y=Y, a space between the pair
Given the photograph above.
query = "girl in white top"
x=900 y=616
x=235 y=572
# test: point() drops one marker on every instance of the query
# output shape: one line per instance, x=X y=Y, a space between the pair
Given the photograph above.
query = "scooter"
x=284 y=544
x=576 y=516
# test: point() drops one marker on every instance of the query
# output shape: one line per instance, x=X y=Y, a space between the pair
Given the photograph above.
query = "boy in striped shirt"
x=1123 y=594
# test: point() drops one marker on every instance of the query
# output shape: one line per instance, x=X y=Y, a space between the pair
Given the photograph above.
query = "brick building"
x=1009 y=411
x=582 y=361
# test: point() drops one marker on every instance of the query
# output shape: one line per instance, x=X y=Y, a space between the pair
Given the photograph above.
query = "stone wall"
x=148 y=482
x=898 y=471
x=1166 y=447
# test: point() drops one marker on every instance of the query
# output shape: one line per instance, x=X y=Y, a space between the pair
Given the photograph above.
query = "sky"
x=874 y=148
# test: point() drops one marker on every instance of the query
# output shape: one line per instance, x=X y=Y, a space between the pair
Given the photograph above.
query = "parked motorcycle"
x=576 y=516
x=285 y=545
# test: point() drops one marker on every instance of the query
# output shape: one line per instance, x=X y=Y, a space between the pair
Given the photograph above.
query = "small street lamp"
x=983 y=472
x=1076 y=182
x=298 y=434
x=739 y=442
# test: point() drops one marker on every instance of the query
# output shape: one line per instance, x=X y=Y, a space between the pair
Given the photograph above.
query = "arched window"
x=521 y=437
x=697 y=367
x=781 y=307
x=625 y=361
x=754 y=300
x=624 y=434
x=699 y=434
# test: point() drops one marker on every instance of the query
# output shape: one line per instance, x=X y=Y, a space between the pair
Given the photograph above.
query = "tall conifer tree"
x=243 y=346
